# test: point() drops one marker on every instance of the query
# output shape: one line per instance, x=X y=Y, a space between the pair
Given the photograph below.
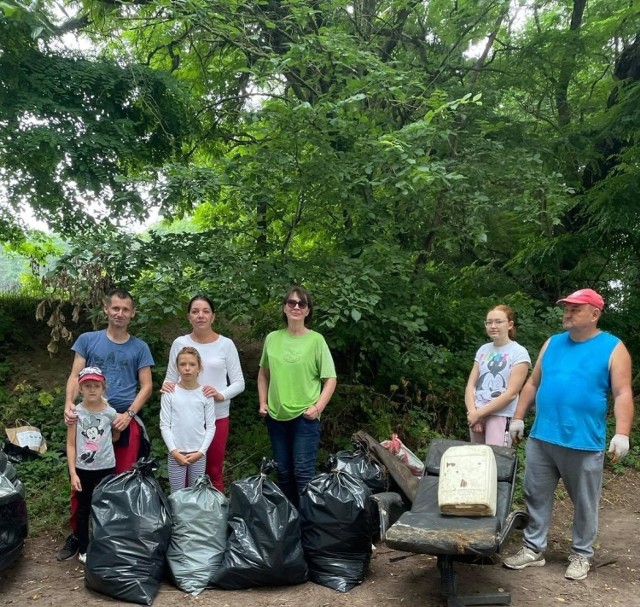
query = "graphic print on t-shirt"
x=92 y=431
x=113 y=369
x=492 y=383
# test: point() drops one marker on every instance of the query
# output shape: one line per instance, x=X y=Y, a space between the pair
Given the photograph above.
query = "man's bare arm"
x=72 y=390
x=620 y=374
x=530 y=389
x=145 y=380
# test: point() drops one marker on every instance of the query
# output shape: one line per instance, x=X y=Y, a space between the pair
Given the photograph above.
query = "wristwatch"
x=131 y=413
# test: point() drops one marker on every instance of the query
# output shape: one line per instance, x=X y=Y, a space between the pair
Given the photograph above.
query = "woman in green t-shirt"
x=296 y=381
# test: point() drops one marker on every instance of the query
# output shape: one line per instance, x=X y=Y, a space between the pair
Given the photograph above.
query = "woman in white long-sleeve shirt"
x=221 y=376
x=187 y=422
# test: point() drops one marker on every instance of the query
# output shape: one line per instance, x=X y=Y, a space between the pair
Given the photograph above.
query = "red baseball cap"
x=584 y=296
x=91 y=373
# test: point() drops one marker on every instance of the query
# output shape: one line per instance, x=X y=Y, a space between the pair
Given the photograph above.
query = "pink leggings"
x=216 y=453
x=495 y=432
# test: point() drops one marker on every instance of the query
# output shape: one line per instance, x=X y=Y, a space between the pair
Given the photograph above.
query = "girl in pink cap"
x=90 y=455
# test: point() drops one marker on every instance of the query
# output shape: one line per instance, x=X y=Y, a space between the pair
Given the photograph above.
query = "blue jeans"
x=295 y=447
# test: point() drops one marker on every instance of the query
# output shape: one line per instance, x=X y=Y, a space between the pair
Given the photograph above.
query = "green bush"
x=48 y=490
x=46 y=479
x=17 y=318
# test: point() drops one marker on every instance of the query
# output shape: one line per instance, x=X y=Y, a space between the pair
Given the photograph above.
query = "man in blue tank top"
x=573 y=376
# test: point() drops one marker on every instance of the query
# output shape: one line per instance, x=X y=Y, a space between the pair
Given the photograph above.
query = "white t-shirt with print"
x=494 y=365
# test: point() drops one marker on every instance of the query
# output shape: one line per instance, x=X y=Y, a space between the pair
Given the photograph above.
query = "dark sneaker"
x=69 y=549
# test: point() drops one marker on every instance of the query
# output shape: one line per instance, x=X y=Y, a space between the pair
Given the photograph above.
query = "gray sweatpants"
x=581 y=472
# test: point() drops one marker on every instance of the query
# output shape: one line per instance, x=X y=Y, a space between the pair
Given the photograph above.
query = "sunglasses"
x=292 y=303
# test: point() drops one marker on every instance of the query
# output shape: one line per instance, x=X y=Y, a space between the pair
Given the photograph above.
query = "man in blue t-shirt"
x=126 y=362
x=571 y=381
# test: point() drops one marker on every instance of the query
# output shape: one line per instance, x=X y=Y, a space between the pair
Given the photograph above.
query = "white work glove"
x=619 y=446
x=516 y=430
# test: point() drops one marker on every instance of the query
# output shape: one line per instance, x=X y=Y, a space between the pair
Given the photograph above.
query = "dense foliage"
x=412 y=163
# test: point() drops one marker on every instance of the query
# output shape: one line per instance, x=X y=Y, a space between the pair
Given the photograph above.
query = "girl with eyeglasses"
x=499 y=371
x=296 y=380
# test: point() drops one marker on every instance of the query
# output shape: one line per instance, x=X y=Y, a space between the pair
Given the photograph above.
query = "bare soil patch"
x=395 y=578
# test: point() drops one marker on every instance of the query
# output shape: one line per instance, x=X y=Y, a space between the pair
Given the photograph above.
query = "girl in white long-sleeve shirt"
x=221 y=377
x=187 y=422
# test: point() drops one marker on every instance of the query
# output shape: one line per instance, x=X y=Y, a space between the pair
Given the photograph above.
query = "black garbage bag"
x=337 y=529
x=359 y=464
x=198 y=535
x=131 y=533
x=264 y=547
x=17 y=454
x=13 y=514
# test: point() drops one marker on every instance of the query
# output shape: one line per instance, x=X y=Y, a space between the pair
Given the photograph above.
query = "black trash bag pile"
x=264 y=547
x=198 y=535
x=359 y=464
x=131 y=533
x=13 y=514
x=337 y=529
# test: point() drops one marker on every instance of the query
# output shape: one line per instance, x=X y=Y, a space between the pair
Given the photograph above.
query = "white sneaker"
x=525 y=557
x=82 y=557
x=578 y=567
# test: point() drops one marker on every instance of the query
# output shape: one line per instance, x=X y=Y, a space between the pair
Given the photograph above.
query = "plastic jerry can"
x=468 y=484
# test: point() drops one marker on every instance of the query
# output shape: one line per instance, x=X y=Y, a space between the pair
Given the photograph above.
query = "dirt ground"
x=395 y=578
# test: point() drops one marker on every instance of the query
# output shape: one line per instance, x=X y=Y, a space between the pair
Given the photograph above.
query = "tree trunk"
x=568 y=64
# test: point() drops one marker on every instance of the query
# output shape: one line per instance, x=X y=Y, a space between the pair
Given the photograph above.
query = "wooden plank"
x=398 y=470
